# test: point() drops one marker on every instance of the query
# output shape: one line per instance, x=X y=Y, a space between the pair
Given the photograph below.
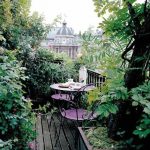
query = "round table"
x=69 y=89
x=67 y=93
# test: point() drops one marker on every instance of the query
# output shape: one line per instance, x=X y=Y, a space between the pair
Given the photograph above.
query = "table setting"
x=71 y=85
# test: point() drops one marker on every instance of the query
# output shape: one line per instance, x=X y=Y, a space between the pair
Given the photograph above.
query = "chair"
x=60 y=96
x=76 y=112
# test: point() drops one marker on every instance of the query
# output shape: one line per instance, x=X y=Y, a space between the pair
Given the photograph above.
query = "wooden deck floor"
x=47 y=128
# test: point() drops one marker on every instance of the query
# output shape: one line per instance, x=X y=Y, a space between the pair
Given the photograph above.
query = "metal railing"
x=96 y=78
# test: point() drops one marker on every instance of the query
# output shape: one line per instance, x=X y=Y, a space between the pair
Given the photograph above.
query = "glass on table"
x=70 y=80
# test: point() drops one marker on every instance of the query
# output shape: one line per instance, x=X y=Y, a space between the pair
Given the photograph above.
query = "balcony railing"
x=95 y=78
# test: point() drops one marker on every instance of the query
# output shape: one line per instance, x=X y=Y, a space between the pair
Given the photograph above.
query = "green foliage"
x=90 y=50
x=141 y=98
x=36 y=30
x=104 y=110
x=105 y=54
x=6 y=145
x=126 y=21
x=116 y=18
x=16 y=118
x=43 y=71
x=18 y=26
x=111 y=94
x=5 y=14
x=93 y=95
x=22 y=31
x=101 y=53
x=48 y=109
x=69 y=66
x=143 y=129
x=98 y=139
x=138 y=96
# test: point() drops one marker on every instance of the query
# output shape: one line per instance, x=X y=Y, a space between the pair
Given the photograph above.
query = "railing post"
x=83 y=75
x=95 y=78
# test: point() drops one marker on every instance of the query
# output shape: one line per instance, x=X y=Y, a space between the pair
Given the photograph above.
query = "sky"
x=79 y=14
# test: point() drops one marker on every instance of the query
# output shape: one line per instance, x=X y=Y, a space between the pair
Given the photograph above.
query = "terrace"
x=116 y=113
x=47 y=126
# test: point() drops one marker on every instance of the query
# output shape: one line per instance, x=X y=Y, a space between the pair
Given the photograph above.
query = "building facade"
x=62 y=39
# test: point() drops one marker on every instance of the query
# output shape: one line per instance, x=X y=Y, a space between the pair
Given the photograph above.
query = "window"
x=57 y=49
x=70 y=50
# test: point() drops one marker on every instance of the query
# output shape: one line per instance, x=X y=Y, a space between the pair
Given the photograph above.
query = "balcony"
x=47 y=126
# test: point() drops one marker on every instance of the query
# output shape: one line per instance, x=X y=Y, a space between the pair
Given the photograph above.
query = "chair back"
x=82 y=92
x=86 y=87
x=76 y=102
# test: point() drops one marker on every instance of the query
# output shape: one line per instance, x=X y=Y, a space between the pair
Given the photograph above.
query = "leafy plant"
x=18 y=26
x=101 y=53
x=93 y=96
x=43 y=71
x=143 y=129
x=141 y=98
x=98 y=139
x=127 y=20
x=16 y=119
x=5 y=145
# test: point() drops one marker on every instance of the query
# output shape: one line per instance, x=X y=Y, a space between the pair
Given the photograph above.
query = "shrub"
x=43 y=70
x=16 y=119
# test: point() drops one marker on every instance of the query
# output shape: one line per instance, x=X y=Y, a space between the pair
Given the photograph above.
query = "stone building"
x=62 y=39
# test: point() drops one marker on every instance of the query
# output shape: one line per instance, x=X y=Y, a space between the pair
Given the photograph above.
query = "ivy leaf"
x=134 y=103
x=106 y=109
x=8 y=106
x=137 y=97
x=147 y=110
x=141 y=133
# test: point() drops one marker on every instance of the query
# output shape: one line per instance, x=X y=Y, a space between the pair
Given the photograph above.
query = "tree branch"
x=147 y=61
x=134 y=17
x=128 y=48
x=145 y=11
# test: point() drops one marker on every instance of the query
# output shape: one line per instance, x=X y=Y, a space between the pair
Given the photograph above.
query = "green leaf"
x=147 y=110
x=137 y=97
x=134 y=103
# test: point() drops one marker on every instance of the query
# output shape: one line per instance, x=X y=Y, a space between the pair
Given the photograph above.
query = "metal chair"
x=75 y=112
x=60 y=96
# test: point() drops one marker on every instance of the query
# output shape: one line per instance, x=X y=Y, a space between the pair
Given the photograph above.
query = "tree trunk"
x=134 y=76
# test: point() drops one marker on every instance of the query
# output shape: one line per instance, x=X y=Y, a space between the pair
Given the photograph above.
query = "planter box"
x=82 y=143
x=104 y=142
